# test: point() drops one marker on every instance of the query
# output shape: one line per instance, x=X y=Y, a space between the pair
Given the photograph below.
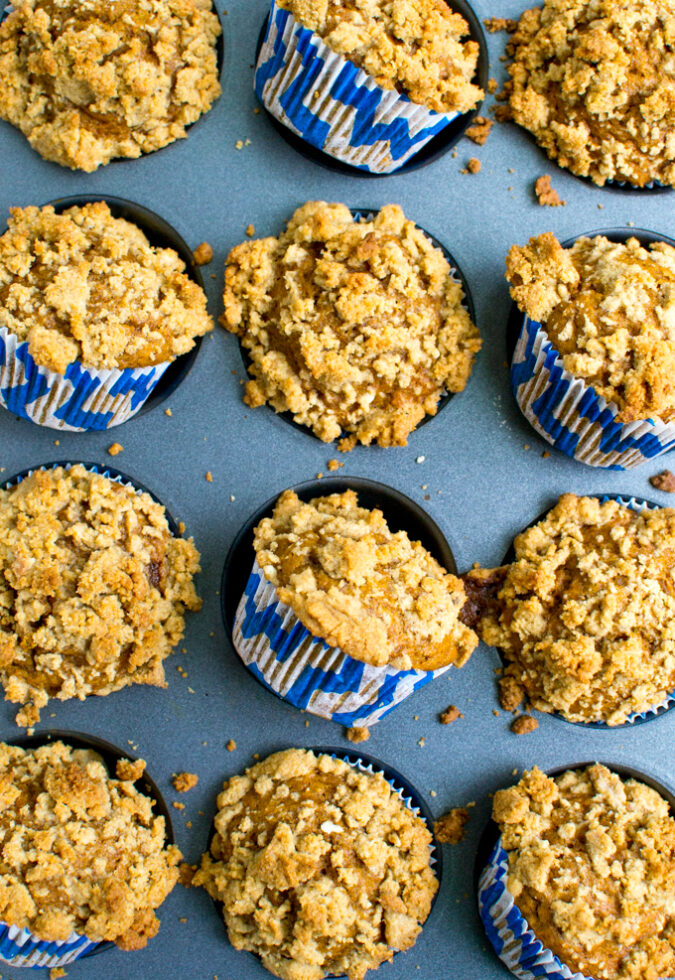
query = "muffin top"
x=585 y=614
x=321 y=867
x=59 y=871
x=414 y=46
x=375 y=594
x=594 y=82
x=93 y=588
x=592 y=869
x=609 y=310
x=90 y=80
x=351 y=325
x=84 y=286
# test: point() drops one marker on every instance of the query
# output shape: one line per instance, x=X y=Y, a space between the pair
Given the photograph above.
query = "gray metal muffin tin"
x=477 y=469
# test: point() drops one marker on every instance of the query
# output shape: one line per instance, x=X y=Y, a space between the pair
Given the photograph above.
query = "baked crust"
x=352 y=326
x=84 y=286
x=594 y=82
x=375 y=594
x=609 y=310
x=414 y=46
x=592 y=869
x=321 y=868
x=586 y=613
x=93 y=588
x=90 y=80
x=59 y=871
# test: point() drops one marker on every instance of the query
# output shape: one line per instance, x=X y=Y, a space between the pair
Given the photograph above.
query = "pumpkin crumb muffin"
x=378 y=596
x=594 y=82
x=591 y=868
x=608 y=308
x=85 y=286
x=354 y=326
x=585 y=613
x=81 y=851
x=413 y=46
x=90 y=80
x=93 y=588
x=320 y=867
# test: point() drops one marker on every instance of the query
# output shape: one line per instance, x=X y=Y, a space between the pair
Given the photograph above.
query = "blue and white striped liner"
x=333 y=104
x=306 y=671
x=19 y=947
x=507 y=929
x=80 y=400
x=570 y=415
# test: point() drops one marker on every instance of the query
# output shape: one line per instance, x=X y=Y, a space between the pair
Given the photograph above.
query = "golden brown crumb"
x=167 y=411
x=186 y=873
x=209 y=476
x=87 y=80
x=178 y=806
x=330 y=850
x=495 y=24
x=450 y=714
x=357 y=734
x=181 y=527
x=449 y=829
x=129 y=771
x=334 y=465
x=184 y=781
x=492 y=86
x=231 y=745
x=546 y=195
x=479 y=130
x=250 y=230
x=203 y=254
x=511 y=693
x=56 y=973
x=474 y=165
x=524 y=724
x=115 y=449
x=664 y=481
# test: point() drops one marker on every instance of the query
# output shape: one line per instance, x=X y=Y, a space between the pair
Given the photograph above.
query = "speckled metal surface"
x=477 y=468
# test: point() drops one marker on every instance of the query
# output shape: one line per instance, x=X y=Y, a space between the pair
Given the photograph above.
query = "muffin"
x=64 y=889
x=321 y=867
x=93 y=588
x=87 y=80
x=343 y=617
x=585 y=613
x=595 y=85
x=594 y=366
x=370 y=82
x=91 y=315
x=355 y=326
x=585 y=867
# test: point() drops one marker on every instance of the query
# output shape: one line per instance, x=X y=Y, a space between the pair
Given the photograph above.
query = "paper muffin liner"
x=82 y=399
x=306 y=671
x=507 y=929
x=334 y=105
x=572 y=416
x=19 y=947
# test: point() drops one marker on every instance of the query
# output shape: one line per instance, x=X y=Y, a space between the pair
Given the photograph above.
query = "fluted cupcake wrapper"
x=306 y=671
x=19 y=947
x=336 y=106
x=572 y=416
x=80 y=400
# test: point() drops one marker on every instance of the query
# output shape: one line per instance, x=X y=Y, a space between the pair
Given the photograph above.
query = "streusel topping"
x=351 y=325
x=321 y=868
x=377 y=595
x=592 y=869
x=414 y=46
x=609 y=310
x=81 y=851
x=85 y=286
x=594 y=82
x=586 y=612
x=90 y=80
x=93 y=588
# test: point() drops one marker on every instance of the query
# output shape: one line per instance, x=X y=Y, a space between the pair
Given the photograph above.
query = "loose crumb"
x=473 y=166
x=181 y=527
x=495 y=24
x=524 y=724
x=546 y=454
x=420 y=459
x=184 y=781
x=167 y=411
x=115 y=449
x=319 y=476
x=250 y=230
x=546 y=195
x=186 y=873
x=56 y=973
x=479 y=130
x=334 y=465
x=664 y=481
x=209 y=476
x=203 y=254
x=178 y=806
x=422 y=742
x=239 y=145
x=231 y=745
x=449 y=829
x=357 y=734
x=495 y=713
x=451 y=713
x=492 y=86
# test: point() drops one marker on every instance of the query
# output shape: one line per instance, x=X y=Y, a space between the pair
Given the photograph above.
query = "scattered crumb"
x=416 y=717
x=181 y=527
x=231 y=745
x=526 y=446
x=56 y=973
x=495 y=713
x=422 y=742
x=183 y=919
x=546 y=454
x=232 y=498
x=357 y=734
x=546 y=195
x=492 y=85
x=250 y=230
x=495 y=24
x=209 y=476
x=524 y=724
x=184 y=781
x=239 y=145
x=167 y=411
x=333 y=465
x=449 y=829
x=664 y=481
x=57 y=442
x=473 y=166
x=420 y=459
x=178 y=806
x=203 y=254
x=115 y=449
x=479 y=130
x=601 y=207
x=307 y=723
x=256 y=111
x=319 y=476
x=432 y=792
x=450 y=714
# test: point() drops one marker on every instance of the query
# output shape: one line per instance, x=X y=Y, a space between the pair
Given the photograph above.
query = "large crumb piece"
x=450 y=714
x=357 y=734
x=664 y=481
x=449 y=829
x=203 y=254
x=479 y=130
x=546 y=195
x=320 y=867
x=130 y=771
x=115 y=449
x=524 y=724
x=184 y=781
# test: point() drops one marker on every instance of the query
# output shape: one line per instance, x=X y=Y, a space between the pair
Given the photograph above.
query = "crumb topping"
x=449 y=829
x=609 y=310
x=80 y=851
x=413 y=46
x=591 y=868
x=84 y=286
x=89 y=80
x=184 y=781
x=547 y=196
x=351 y=325
x=375 y=594
x=586 y=613
x=93 y=588
x=594 y=82
x=321 y=868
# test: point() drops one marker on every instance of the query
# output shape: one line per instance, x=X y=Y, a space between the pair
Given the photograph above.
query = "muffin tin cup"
x=567 y=412
x=336 y=107
x=510 y=935
x=83 y=398
x=20 y=947
x=295 y=665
